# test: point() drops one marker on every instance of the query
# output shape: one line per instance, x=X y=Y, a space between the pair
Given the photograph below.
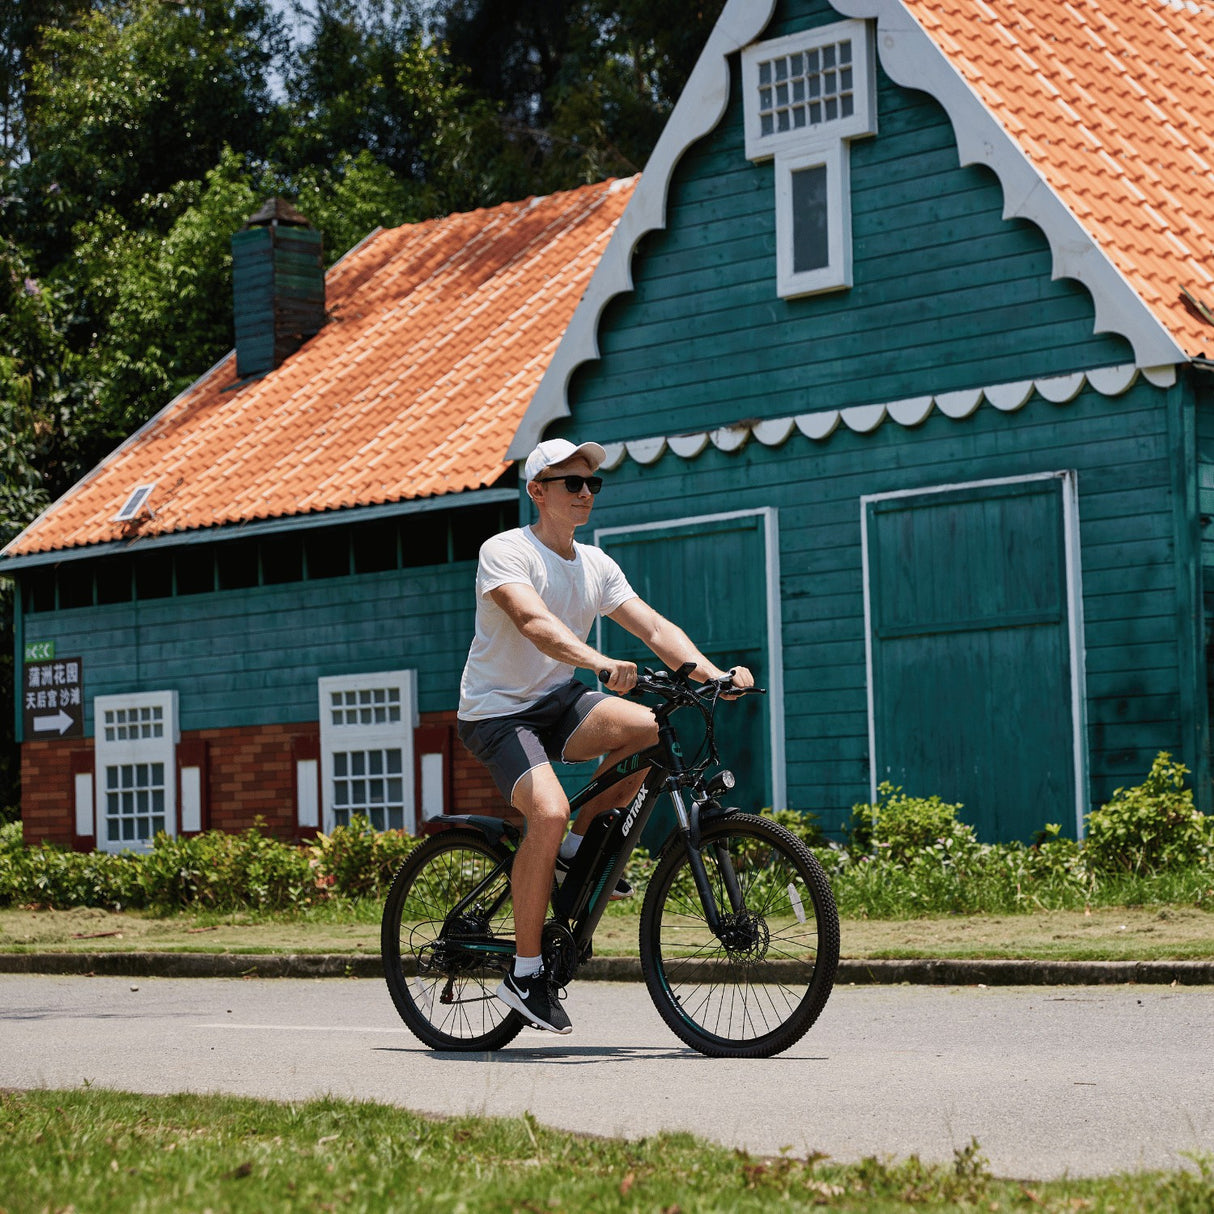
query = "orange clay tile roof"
x=439 y=333
x=1113 y=101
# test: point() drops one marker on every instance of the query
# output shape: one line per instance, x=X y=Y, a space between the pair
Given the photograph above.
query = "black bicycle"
x=739 y=935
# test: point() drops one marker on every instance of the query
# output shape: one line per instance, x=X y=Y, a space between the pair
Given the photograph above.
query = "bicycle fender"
x=495 y=830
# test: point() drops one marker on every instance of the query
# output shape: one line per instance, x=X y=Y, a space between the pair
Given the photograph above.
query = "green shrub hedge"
x=911 y=856
x=905 y=856
x=211 y=871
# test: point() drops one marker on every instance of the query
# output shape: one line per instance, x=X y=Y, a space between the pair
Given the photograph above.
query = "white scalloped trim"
x=863 y=418
x=1161 y=377
x=959 y=404
x=688 y=446
x=730 y=438
x=615 y=455
x=646 y=450
x=818 y=425
x=908 y=413
x=774 y=433
x=1009 y=397
x=1058 y=389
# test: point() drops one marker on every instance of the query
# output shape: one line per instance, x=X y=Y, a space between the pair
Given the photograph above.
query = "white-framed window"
x=366 y=749
x=136 y=781
x=806 y=95
x=813 y=221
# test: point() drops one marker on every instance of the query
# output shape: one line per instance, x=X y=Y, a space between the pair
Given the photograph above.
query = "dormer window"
x=807 y=96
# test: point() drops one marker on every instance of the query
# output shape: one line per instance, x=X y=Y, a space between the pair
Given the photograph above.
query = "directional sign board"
x=53 y=699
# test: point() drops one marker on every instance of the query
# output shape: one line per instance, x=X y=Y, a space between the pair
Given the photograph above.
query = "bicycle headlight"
x=723 y=781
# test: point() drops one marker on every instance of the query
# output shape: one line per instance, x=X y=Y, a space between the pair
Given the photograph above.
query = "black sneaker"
x=623 y=889
x=536 y=1001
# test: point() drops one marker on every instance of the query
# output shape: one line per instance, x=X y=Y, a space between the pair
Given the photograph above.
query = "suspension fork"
x=691 y=839
x=699 y=873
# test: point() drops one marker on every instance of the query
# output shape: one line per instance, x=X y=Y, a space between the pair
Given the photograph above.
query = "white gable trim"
x=912 y=59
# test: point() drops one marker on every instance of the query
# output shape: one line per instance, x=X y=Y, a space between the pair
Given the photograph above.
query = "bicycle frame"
x=666 y=773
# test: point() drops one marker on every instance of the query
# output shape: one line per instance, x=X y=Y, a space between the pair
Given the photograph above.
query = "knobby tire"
x=443 y=992
x=758 y=992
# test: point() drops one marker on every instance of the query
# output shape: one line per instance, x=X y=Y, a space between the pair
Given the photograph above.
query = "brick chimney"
x=278 y=287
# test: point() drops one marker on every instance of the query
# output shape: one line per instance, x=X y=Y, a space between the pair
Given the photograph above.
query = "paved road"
x=1078 y=1080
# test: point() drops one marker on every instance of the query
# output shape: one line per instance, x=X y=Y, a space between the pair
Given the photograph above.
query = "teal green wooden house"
x=899 y=356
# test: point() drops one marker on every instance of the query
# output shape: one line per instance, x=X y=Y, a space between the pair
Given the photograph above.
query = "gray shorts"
x=511 y=746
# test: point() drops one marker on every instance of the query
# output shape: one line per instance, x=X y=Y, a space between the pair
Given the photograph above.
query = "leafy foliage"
x=805 y=826
x=1151 y=827
x=911 y=856
x=902 y=825
x=134 y=97
x=359 y=862
x=212 y=871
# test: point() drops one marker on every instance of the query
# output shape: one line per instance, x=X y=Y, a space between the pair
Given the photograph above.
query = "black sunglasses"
x=574 y=483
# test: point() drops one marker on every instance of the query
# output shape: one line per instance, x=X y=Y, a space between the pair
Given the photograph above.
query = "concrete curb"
x=614 y=969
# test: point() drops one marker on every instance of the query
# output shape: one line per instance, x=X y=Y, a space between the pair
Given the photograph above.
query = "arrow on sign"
x=59 y=723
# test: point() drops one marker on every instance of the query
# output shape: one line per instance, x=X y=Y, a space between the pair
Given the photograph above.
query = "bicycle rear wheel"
x=757 y=987
x=445 y=942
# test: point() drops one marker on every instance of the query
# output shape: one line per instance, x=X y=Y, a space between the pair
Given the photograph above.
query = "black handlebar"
x=678 y=686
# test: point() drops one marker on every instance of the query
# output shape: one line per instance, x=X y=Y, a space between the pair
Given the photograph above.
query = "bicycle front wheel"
x=754 y=987
x=445 y=942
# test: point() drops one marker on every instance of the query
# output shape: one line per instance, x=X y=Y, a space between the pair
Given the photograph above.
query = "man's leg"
x=539 y=797
x=614 y=728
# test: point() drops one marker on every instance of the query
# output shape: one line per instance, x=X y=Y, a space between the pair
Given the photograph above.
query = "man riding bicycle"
x=538 y=594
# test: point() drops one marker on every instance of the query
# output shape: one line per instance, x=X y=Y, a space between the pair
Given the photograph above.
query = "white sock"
x=524 y=967
x=570 y=845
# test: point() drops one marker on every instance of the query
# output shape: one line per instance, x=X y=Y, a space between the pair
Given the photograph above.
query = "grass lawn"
x=1169 y=933
x=116 y=1153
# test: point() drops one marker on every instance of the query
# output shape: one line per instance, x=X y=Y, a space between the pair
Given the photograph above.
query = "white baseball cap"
x=557 y=451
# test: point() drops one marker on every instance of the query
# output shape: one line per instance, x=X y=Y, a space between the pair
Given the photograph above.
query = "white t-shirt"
x=505 y=673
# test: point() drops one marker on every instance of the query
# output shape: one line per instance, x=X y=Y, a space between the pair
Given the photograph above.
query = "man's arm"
x=555 y=639
x=671 y=643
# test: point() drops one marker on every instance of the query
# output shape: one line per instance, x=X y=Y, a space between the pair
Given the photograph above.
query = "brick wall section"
x=48 y=790
x=250 y=774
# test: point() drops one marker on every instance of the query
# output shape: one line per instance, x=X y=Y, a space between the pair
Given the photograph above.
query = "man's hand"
x=741 y=678
x=620 y=677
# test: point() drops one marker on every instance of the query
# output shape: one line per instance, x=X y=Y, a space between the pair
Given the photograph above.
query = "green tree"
x=22 y=23
x=135 y=97
x=370 y=86
x=581 y=90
